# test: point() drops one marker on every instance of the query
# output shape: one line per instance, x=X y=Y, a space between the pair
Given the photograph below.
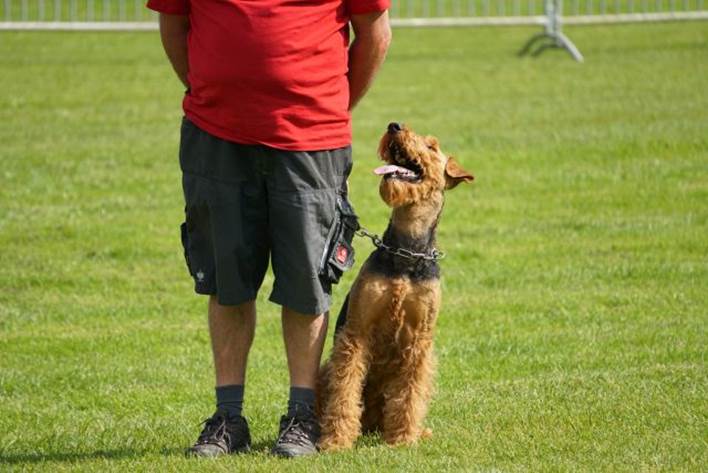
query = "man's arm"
x=173 y=32
x=367 y=52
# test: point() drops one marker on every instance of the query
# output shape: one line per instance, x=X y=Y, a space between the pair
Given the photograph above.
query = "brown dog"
x=379 y=376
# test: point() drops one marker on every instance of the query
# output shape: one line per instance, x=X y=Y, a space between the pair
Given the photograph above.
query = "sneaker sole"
x=192 y=453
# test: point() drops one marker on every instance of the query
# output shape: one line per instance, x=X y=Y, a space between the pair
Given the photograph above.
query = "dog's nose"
x=394 y=127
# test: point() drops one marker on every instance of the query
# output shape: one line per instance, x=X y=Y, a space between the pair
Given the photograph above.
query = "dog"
x=380 y=374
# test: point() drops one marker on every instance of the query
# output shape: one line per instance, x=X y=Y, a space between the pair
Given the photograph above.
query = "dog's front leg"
x=407 y=395
x=341 y=410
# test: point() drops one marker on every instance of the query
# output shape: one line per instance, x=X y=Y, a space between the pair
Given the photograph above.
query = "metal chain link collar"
x=433 y=255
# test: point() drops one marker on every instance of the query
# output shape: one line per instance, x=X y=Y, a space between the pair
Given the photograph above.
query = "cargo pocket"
x=338 y=253
x=185 y=245
x=198 y=252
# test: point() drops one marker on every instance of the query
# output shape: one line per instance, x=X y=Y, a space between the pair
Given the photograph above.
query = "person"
x=265 y=151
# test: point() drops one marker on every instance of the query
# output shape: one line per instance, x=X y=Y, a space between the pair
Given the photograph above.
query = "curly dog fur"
x=380 y=374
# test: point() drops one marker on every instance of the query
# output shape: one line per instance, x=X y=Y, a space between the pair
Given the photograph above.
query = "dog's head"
x=416 y=167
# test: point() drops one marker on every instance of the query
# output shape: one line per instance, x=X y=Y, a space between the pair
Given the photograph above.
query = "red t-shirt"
x=270 y=72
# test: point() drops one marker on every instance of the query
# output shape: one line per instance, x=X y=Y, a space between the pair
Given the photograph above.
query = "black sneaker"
x=298 y=435
x=222 y=435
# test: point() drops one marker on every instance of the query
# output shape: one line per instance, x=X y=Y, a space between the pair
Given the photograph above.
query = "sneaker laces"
x=214 y=430
x=298 y=431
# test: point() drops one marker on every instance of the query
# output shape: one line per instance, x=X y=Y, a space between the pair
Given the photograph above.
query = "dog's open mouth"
x=399 y=167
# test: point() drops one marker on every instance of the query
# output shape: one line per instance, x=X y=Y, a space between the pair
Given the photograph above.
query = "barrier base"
x=547 y=40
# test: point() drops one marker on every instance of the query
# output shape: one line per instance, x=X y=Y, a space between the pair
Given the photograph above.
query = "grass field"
x=573 y=329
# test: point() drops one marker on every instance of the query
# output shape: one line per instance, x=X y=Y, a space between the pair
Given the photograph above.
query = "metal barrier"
x=35 y=13
x=552 y=36
x=94 y=15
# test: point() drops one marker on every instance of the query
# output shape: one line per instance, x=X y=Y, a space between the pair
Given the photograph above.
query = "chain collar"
x=433 y=255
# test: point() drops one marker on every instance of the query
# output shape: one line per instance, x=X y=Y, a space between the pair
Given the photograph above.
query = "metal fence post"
x=552 y=36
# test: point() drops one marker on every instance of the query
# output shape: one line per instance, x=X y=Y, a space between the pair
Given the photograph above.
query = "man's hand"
x=367 y=52
x=173 y=32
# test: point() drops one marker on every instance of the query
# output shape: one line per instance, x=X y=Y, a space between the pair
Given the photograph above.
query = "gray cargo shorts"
x=248 y=203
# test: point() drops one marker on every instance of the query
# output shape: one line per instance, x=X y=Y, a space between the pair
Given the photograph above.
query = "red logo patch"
x=342 y=254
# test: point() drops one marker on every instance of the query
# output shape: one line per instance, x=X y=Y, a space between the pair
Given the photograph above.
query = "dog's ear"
x=454 y=174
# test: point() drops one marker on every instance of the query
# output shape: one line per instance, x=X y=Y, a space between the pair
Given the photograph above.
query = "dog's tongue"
x=391 y=169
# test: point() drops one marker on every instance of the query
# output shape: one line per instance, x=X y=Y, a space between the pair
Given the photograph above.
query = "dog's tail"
x=342 y=317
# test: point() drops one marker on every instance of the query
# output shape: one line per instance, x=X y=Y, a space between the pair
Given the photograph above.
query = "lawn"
x=573 y=330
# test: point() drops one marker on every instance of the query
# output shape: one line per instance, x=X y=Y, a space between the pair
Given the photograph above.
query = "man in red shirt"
x=265 y=152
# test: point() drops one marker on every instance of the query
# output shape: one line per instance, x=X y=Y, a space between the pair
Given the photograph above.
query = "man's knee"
x=302 y=318
x=244 y=307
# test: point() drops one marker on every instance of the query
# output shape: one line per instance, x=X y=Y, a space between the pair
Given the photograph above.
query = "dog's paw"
x=408 y=438
x=333 y=445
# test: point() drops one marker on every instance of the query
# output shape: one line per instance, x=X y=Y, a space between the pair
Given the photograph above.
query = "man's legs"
x=304 y=337
x=231 y=329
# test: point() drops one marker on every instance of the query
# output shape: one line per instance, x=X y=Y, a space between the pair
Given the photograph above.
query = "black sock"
x=229 y=398
x=301 y=400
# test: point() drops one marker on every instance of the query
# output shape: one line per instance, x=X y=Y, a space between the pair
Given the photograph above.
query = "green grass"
x=573 y=330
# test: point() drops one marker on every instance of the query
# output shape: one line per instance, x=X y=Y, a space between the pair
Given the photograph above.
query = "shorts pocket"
x=338 y=253
x=185 y=245
x=198 y=250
